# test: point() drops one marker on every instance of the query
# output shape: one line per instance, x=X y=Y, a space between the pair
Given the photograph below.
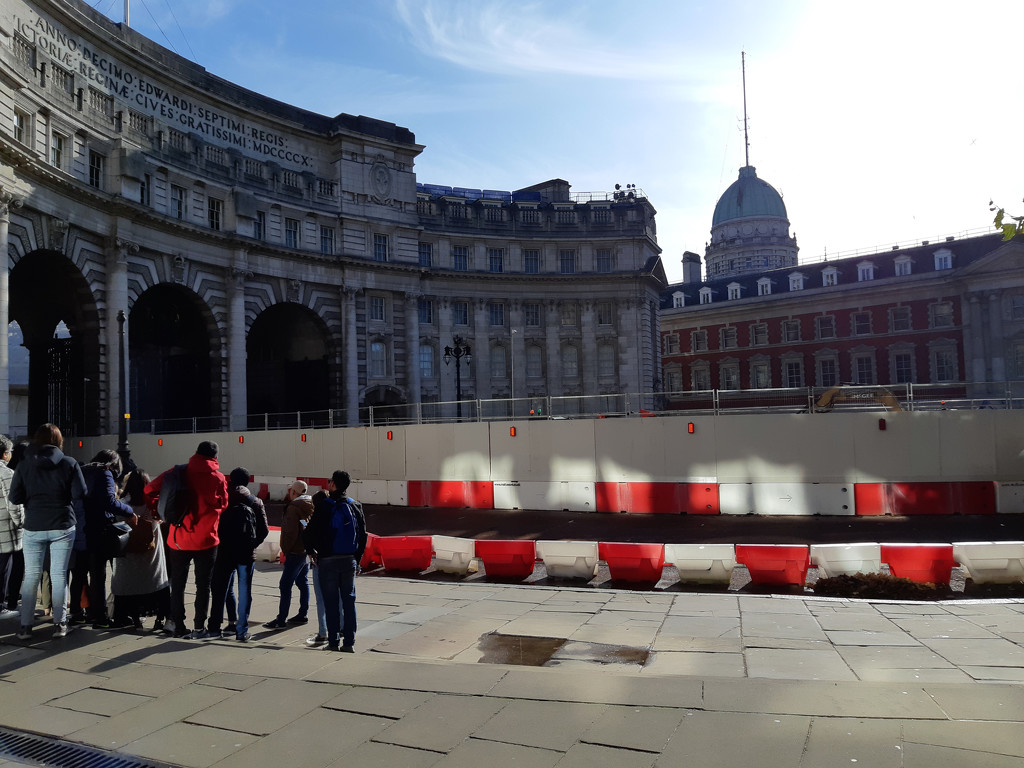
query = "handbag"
x=115 y=539
x=142 y=538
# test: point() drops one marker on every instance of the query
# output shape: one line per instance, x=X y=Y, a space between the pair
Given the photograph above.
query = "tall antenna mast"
x=127 y=21
x=746 y=137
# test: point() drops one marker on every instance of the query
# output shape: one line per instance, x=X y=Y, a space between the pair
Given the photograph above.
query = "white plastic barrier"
x=847 y=559
x=369 y=491
x=571 y=495
x=569 y=559
x=991 y=562
x=398 y=493
x=702 y=563
x=453 y=554
x=791 y=498
x=270 y=550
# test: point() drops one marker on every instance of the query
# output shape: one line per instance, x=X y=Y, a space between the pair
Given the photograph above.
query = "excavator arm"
x=835 y=395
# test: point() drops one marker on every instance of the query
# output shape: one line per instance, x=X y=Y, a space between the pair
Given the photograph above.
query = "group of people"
x=59 y=533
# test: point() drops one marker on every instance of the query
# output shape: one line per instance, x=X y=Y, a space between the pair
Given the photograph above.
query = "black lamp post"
x=459 y=351
x=122 y=398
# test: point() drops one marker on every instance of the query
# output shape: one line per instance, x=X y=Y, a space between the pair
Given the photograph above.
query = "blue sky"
x=879 y=122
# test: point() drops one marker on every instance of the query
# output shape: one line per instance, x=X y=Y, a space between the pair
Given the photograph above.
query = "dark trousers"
x=10 y=583
x=224 y=574
x=97 y=589
x=77 y=582
x=338 y=584
x=180 y=561
x=296 y=571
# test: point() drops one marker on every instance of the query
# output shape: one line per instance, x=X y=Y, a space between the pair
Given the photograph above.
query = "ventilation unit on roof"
x=924 y=242
x=895 y=247
x=950 y=239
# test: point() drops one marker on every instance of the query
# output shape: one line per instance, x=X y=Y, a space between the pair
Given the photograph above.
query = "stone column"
x=350 y=365
x=238 y=406
x=588 y=349
x=974 y=341
x=995 y=324
x=412 y=344
x=8 y=202
x=517 y=351
x=553 y=361
x=117 y=301
x=481 y=344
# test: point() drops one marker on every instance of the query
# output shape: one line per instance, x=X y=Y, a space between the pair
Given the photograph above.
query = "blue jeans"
x=223 y=574
x=296 y=571
x=338 y=583
x=321 y=615
x=36 y=545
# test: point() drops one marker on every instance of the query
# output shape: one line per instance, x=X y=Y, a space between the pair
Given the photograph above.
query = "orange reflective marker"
x=390 y=434
x=689 y=427
x=160 y=441
x=511 y=431
x=241 y=439
x=303 y=437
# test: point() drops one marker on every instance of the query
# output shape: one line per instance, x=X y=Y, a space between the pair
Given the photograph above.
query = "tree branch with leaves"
x=1010 y=225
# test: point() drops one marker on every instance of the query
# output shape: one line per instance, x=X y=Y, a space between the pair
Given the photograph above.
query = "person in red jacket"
x=196 y=539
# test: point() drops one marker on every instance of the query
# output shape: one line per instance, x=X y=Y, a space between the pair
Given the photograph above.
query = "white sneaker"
x=61 y=630
x=8 y=613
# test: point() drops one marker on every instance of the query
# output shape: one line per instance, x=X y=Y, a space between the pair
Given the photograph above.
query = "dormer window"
x=796 y=281
x=734 y=290
x=764 y=286
x=902 y=265
x=829 y=276
x=865 y=271
x=678 y=299
x=705 y=295
x=943 y=259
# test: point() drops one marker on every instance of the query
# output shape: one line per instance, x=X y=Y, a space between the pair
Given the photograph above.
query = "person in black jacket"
x=337 y=553
x=242 y=528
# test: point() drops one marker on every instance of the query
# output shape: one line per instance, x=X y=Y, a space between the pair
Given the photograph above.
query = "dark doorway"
x=286 y=370
x=169 y=351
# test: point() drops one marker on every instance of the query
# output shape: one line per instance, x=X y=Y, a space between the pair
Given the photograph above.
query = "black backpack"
x=248 y=539
x=177 y=500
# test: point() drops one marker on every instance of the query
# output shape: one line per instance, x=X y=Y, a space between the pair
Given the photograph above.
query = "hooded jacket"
x=101 y=504
x=49 y=485
x=296 y=516
x=199 y=529
x=233 y=546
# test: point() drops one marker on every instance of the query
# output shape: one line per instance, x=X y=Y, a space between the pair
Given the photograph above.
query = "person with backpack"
x=335 y=539
x=191 y=498
x=296 y=564
x=243 y=527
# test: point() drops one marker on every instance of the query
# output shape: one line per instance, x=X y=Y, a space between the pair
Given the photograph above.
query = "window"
x=793 y=372
x=671 y=343
x=22 y=127
x=902 y=365
x=1017 y=308
x=863 y=368
x=759 y=334
x=727 y=337
x=214 y=212
x=177 y=207
x=145 y=186
x=678 y=300
x=943 y=259
x=734 y=290
x=828 y=371
x=705 y=295
x=825 y=326
x=729 y=375
x=378 y=359
x=941 y=314
x=791 y=330
x=760 y=374
x=568 y=314
x=605 y=360
x=531 y=314
x=1017 y=359
x=698 y=341
x=567 y=262
x=865 y=271
x=829 y=276
x=425 y=311
x=605 y=316
x=603 y=260
x=497 y=361
x=534 y=362
x=259 y=225
x=460 y=258
x=377 y=308
x=902 y=266
x=570 y=362
x=531 y=262
x=496 y=259
x=58 y=149
x=944 y=367
x=327 y=240
x=381 y=247
x=899 y=319
x=764 y=286
x=860 y=323
x=291 y=233
x=700 y=377
x=496 y=310
x=673 y=379
x=460 y=313
x=97 y=162
x=426 y=254
x=428 y=369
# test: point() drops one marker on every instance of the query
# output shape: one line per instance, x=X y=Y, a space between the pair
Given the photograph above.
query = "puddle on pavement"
x=528 y=651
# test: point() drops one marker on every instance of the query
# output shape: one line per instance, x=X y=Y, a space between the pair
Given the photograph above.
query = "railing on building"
x=910 y=397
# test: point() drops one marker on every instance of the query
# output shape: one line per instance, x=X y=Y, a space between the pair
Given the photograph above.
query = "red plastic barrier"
x=926 y=498
x=924 y=563
x=405 y=553
x=633 y=562
x=507 y=558
x=371 y=555
x=475 y=494
x=655 y=498
x=775 y=563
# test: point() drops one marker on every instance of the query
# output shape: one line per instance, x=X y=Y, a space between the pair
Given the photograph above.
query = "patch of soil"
x=879 y=586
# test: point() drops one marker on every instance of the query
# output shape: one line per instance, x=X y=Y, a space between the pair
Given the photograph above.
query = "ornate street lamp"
x=122 y=399
x=459 y=351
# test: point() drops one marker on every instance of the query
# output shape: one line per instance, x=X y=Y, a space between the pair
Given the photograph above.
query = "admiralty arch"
x=246 y=257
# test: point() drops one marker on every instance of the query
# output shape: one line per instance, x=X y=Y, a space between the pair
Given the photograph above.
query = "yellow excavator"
x=856 y=396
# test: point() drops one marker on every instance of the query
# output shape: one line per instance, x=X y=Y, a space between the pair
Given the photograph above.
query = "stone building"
x=269 y=260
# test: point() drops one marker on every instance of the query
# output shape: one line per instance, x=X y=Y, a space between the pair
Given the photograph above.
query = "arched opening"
x=286 y=367
x=55 y=319
x=170 y=332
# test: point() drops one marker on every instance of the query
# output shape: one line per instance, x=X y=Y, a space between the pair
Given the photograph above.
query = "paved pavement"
x=455 y=672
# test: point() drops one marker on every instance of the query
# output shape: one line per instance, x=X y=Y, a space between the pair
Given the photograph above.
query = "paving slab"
x=773 y=604
x=259 y=710
x=231 y=681
x=696 y=664
x=393 y=672
x=892 y=657
x=442 y=723
x=868 y=637
x=997 y=674
x=380 y=702
x=731 y=740
x=942 y=627
x=782 y=625
x=546 y=624
x=597 y=756
x=193 y=746
x=443 y=639
x=372 y=754
x=100 y=702
x=562 y=685
x=992 y=701
x=646 y=729
x=49 y=720
x=665 y=642
x=1002 y=738
x=635 y=634
x=928 y=756
x=797 y=665
x=841 y=742
x=951 y=675
x=862 y=622
x=147 y=680
x=472 y=753
x=701 y=626
x=996 y=652
x=543 y=724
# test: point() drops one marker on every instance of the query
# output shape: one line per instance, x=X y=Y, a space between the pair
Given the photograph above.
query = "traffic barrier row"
x=769 y=564
x=690 y=498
